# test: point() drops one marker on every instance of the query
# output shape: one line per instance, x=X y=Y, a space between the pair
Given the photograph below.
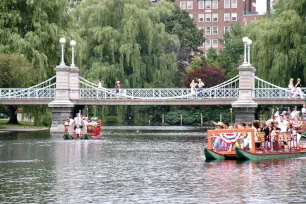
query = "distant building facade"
x=216 y=17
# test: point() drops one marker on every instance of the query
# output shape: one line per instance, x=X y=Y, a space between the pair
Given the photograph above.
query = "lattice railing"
x=225 y=90
x=43 y=90
x=264 y=90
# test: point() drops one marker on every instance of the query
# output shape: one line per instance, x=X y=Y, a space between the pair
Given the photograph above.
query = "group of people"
x=295 y=90
x=117 y=86
x=197 y=88
x=79 y=120
x=269 y=135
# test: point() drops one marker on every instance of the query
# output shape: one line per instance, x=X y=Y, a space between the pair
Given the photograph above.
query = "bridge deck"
x=178 y=102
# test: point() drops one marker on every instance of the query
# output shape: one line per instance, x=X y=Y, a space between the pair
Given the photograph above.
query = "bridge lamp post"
x=72 y=43
x=245 y=41
x=63 y=41
x=249 y=43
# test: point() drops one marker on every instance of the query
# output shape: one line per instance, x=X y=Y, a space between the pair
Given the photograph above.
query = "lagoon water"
x=138 y=165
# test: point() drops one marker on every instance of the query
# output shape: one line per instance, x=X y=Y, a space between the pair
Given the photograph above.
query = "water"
x=138 y=166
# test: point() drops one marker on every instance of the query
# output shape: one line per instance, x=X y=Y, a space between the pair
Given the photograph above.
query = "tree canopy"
x=279 y=43
x=127 y=41
x=182 y=25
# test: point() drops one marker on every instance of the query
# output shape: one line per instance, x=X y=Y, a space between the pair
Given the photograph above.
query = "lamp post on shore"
x=63 y=41
x=72 y=43
x=245 y=41
x=249 y=43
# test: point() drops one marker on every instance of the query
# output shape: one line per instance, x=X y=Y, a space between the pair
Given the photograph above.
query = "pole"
x=163 y=120
x=245 y=58
x=181 y=119
x=201 y=120
x=220 y=117
x=249 y=54
x=231 y=115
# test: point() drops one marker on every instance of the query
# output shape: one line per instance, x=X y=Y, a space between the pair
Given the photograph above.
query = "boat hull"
x=218 y=155
x=245 y=155
x=69 y=137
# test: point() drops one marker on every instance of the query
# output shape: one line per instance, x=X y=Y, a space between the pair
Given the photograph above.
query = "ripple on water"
x=123 y=169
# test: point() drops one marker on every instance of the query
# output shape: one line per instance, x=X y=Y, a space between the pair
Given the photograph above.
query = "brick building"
x=216 y=16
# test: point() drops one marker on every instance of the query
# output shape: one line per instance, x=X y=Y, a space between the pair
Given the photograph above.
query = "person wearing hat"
x=117 y=86
x=217 y=140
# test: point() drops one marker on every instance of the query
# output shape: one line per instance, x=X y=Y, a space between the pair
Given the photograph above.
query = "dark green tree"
x=180 y=24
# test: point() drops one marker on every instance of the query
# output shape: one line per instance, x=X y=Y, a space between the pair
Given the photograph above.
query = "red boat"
x=94 y=130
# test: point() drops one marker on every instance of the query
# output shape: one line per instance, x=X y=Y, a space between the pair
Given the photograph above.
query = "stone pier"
x=67 y=79
x=245 y=108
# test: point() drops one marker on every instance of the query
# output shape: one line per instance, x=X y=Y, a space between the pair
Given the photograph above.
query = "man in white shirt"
x=293 y=113
x=283 y=124
x=304 y=111
x=200 y=88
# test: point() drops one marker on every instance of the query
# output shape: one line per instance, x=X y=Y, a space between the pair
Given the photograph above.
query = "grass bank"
x=30 y=125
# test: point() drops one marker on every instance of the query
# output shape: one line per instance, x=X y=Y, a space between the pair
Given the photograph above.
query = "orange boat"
x=226 y=140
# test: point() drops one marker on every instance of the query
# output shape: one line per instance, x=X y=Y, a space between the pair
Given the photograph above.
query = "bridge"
x=66 y=90
x=89 y=94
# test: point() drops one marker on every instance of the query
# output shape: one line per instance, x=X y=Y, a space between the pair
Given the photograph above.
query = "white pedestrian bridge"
x=87 y=93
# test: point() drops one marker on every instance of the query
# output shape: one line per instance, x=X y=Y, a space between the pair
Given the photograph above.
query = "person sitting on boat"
x=217 y=140
x=267 y=131
x=240 y=142
x=274 y=134
x=247 y=141
x=67 y=124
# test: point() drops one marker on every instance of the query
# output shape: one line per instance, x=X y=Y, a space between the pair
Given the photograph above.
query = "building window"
x=207 y=30
x=207 y=44
x=201 y=4
x=183 y=4
x=201 y=17
x=200 y=28
x=215 y=17
x=208 y=4
x=234 y=16
x=215 y=43
x=215 y=30
x=227 y=28
x=227 y=17
x=215 y=4
x=234 y=3
x=226 y=3
x=189 y=4
x=208 y=17
x=191 y=15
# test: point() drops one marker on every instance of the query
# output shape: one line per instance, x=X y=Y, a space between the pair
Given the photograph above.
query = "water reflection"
x=148 y=168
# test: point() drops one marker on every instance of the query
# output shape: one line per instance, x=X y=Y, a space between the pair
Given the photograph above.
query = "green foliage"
x=127 y=41
x=42 y=115
x=33 y=28
x=279 y=43
x=197 y=63
x=180 y=24
x=15 y=71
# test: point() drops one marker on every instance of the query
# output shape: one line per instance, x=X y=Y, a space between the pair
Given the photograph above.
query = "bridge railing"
x=43 y=90
x=168 y=93
x=34 y=93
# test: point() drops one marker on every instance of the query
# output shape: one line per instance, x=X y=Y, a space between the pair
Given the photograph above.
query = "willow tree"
x=278 y=50
x=32 y=28
x=127 y=41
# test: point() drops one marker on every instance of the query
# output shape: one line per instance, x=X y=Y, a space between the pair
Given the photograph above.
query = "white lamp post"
x=245 y=41
x=63 y=41
x=249 y=43
x=72 y=43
